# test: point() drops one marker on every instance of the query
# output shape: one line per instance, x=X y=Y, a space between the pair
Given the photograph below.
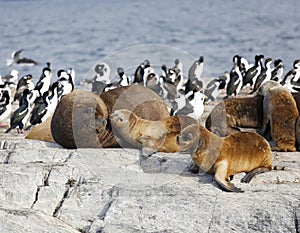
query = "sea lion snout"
x=113 y=115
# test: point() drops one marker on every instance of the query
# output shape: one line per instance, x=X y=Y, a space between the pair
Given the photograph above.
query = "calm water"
x=70 y=33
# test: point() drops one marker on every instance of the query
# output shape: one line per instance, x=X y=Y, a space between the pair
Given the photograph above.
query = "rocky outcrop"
x=45 y=188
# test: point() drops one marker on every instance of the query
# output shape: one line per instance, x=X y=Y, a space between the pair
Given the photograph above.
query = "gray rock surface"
x=45 y=188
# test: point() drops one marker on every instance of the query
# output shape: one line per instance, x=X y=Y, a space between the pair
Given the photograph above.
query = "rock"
x=31 y=221
x=47 y=188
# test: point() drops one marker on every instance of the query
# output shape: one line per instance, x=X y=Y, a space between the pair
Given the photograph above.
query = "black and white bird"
x=140 y=71
x=15 y=58
x=5 y=106
x=194 y=82
x=124 y=79
x=102 y=78
x=153 y=83
x=290 y=81
x=169 y=88
x=277 y=72
x=66 y=81
x=224 y=80
x=296 y=66
x=45 y=108
x=72 y=75
x=265 y=74
x=122 y=82
x=178 y=66
x=20 y=117
x=10 y=82
x=193 y=107
x=235 y=83
x=253 y=72
x=11 y=78
x=26 y=82
x=44 y=82
x=196 y=70
x=213 y=88
x=244 y=65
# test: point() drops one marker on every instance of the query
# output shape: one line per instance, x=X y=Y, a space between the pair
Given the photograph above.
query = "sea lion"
x=141 y=100
x=226 y=156
x=230 y=115
x=80 y=121
x=280 y=110
x=227 y=116
x=149 y=136
x=41 y=132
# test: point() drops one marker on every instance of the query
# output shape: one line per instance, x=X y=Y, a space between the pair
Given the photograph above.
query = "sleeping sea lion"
x=141 y=100
x=149 y=136
x=79 y=121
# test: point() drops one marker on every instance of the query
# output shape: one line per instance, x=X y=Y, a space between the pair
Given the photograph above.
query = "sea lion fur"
x=280 y=110
x=149 y=136
x=226 y=156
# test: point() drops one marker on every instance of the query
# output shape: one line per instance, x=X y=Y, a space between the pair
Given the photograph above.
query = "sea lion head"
x=121 y=122
x=120 y=118
x=263 y=89
x=188 y=139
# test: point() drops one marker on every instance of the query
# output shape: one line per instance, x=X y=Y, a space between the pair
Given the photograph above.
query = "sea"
x=123 y=33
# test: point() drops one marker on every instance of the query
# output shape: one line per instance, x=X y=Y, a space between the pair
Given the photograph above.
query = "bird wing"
x=3 y=108
x=26 y=61
x=18 y=116
x=16 y=55
x=259 y=81
x=39 y=85
x=192 y=70
x=249 y=75
x=38 y=112
x=232 y=84
x=188 y=108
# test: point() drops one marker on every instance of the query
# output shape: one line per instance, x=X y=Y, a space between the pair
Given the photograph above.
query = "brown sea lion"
x=80 y=121
x=226 y=156
x=229 y=116
x=149 y=136
x=141 y=100
x=280 y=110
x=41 y=132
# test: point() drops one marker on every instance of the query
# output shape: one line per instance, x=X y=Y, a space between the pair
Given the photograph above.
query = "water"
x=73 y=33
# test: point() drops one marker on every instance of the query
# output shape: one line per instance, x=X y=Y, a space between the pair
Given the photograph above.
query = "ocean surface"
x=123 y=33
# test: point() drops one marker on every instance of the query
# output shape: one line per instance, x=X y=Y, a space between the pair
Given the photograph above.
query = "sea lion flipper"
x=222 y=179
x=148 y=151
x=248 y=177
x=193 y=168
